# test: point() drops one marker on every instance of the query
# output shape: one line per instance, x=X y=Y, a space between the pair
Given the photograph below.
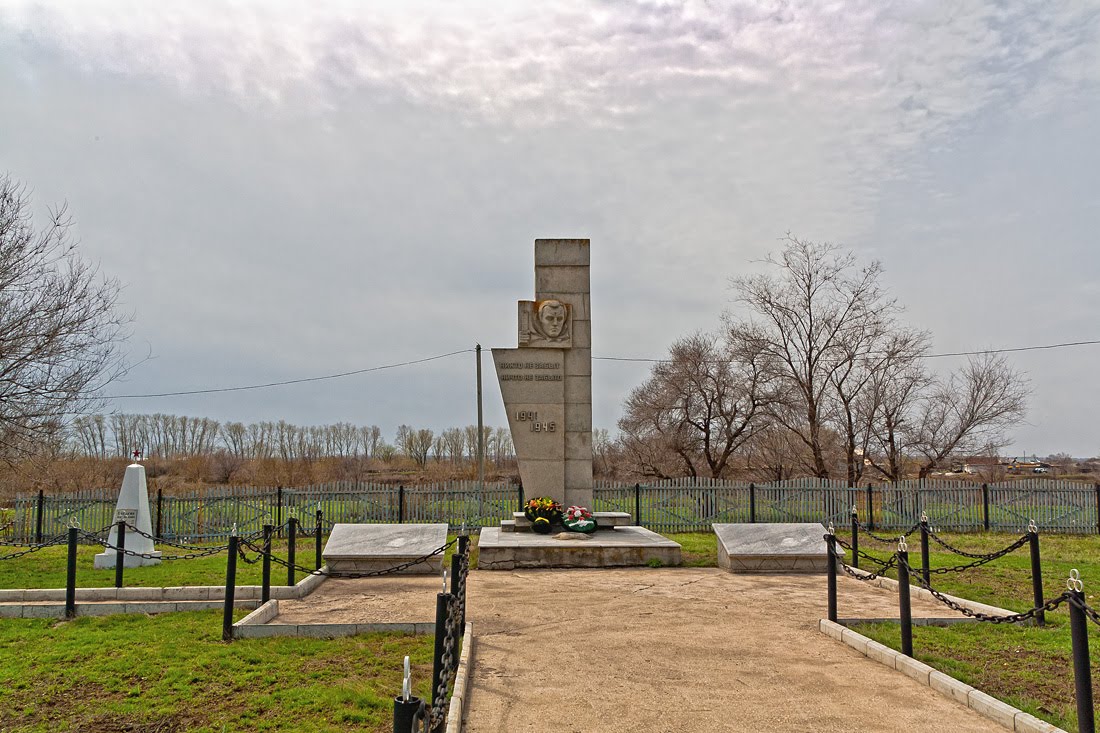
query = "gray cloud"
x=293 y=191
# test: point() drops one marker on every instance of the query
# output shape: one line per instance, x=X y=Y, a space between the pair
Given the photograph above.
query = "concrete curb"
x=457 y=709
x=42 y=602
x=918 y=592
x=108 y=608
x=978 y=701
x=261 y=630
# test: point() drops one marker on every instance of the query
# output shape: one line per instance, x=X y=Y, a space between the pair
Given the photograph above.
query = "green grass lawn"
x=1026 y=666
x=172 y=672
x=697 y=549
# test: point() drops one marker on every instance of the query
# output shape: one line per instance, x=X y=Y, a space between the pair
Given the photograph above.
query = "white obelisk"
x=132 y=508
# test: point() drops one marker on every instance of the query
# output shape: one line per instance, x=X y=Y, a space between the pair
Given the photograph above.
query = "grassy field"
x=172 y=672
x=1026 y=666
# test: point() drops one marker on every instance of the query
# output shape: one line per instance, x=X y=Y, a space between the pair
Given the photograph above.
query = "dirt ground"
x=387 y=599
x=671 y=650
x=659 y=651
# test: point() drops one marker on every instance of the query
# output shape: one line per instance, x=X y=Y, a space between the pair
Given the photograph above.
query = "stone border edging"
x=918 y=592
x=57 y=610
x=43 y=602
x=169 y=593
x=457 y=709
x=255 y=626
x=978 y=701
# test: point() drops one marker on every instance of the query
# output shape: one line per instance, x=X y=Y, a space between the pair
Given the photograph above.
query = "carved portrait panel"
x=545 y=324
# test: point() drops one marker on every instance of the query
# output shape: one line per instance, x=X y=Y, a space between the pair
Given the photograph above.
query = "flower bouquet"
x=579 y=519
x=542 y=512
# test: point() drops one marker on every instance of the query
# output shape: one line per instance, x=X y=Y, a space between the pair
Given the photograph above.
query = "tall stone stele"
x=132 y=508
x=546 y=383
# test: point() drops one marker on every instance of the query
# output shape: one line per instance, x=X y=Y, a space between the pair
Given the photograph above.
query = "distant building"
x=977 y=464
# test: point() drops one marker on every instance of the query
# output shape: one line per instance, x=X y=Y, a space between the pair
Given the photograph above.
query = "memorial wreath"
x=542 y=512
x=579 y=519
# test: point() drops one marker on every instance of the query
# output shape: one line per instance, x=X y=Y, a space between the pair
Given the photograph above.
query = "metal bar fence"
x=673 y=505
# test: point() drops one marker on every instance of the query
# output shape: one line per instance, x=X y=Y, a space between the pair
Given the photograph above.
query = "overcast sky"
x=294 y=190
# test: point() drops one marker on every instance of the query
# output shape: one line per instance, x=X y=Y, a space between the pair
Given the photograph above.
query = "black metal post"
x=279 y=509
x=638 y=504
x=870 y=507
x=265 y=587
x=1082 y=672
x=752 y=503
x=442 y=600
x=1036 y=573
x=120 y=553
x=230 y=587
x=463 y=545
x=42 y=506
x=400 y=504
x=830 y=542
x=404 y=713
x=855 y=537
x=519 y=495
x=925 y=567
x=70 y=575
x=160 y=512
x=317 y=541
x=904 y=609
x=291 y=541
x=1095 y=486
x=985 y=506
x=456 y=573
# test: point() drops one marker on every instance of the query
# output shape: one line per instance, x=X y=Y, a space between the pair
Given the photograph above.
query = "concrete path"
x=670 y=650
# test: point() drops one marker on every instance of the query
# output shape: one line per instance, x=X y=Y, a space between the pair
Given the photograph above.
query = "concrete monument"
x=133 y=508
x=547 y=387
x=546 y=382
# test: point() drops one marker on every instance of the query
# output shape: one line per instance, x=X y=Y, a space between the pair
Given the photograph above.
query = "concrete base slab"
x=106 y=560
x=772 y=548
x=364 y=548
x=604 y=520
x=620 y=547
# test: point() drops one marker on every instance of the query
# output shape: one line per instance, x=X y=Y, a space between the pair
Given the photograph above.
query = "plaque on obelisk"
x=546 y=383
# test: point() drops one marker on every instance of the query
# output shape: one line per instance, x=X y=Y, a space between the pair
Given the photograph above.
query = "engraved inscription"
x=537 y=426
x=537 y=371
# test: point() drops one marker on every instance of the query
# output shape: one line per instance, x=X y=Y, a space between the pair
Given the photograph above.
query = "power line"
x=290 y=381
x=467 y=351
x=923 y=356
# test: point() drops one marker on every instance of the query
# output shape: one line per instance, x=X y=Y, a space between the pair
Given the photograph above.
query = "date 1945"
x=537 y=426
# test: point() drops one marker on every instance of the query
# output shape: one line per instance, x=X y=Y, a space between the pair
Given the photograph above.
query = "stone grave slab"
x=605 y=548
x=364 y=548
x=772 y=548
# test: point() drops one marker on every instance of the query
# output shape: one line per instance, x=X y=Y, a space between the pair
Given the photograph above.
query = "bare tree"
x=816 y=322
x=697 y=408
x=419 y=445
x=59 y=331
x=969 y=411
x=897 y=386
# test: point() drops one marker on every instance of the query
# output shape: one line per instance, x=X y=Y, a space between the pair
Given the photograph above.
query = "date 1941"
x=537 y=426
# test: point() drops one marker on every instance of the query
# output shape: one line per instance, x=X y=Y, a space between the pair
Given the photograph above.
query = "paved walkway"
x=671 y=650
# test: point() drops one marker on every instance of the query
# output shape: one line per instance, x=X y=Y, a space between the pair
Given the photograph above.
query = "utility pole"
x=480 y=425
